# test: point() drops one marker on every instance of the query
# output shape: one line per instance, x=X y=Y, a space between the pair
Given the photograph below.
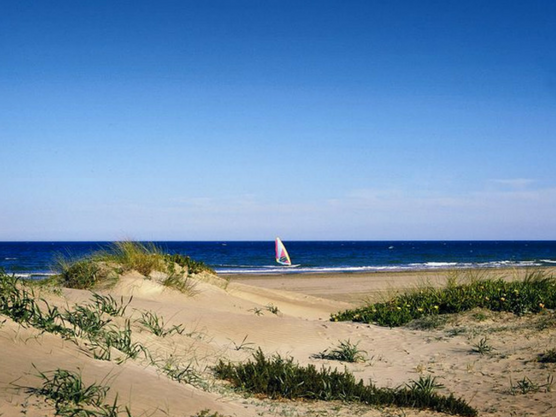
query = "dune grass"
x=70 y=396
x=82 y=274
x=137 y=256
x=345 y=352
x=88 y=321
x=279 y=378
x=181 y=282
x=192 y=266
x=23 y=306
x=105 y=266
x=155 y=324
x=534 y=294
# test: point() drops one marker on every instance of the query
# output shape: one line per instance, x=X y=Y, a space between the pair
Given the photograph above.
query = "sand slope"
x=231 y=321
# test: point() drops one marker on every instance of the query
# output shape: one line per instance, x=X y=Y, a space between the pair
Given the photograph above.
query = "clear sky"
x=247 y=119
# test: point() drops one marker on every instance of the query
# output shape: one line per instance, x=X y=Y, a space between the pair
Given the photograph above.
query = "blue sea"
x=38 y=259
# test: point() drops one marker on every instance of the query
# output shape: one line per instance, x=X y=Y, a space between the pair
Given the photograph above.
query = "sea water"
x=38 y=259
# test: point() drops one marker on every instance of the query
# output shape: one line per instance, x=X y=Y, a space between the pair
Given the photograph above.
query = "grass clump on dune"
x=282 y=378
x=534 y=294
x=192 y=266
x=82 y=274
x=24 y=307
x=143 y=258
x=72 y=397
x=345 y=351
x=104 y=267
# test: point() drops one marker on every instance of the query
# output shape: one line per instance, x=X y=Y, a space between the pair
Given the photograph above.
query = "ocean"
x=38 y=259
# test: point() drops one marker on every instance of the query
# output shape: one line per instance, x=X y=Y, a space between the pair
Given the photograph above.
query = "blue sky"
x=243 y=120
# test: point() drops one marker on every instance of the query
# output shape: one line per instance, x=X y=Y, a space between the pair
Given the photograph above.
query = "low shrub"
x=104 y=267
x=534 y=294
x=82 y=274
x=282 y=378
x=192 y=266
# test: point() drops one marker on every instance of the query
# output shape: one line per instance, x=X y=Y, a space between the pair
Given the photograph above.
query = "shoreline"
x=360 y=287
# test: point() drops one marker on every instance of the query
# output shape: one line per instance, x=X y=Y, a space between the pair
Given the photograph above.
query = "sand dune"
x=280 y=315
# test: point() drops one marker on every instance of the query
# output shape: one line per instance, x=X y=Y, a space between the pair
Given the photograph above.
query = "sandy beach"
x=288 y=315
x=358 y=288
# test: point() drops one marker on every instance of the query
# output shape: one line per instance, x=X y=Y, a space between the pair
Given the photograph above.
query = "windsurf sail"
x=282 y=256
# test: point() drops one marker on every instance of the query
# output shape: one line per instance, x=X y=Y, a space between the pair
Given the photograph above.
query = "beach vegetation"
x=105 y=266
x=281 y=378
x=208 y=413
x=82 y=274
x=86 y=320
x=526 y=385
x=136 y=256
x=257 y=311
x=178 y=371
x=121 y=339
x=536 y=293
x=22 y=305
x=156 y=325
x=482 y=346
x=108 y=305
x=192 y=266
x=424 y=385
x=71 y=396
x=548 y=357
x=546 y=320
x=429 y=322
x=181 y=282
x=272 y=309
x=243 y=345
x=345 y=352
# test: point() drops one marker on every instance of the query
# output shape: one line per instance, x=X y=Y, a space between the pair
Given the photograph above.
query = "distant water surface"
x=37 y=259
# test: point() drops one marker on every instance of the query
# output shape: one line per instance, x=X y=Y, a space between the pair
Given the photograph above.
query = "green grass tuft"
x=155 y=324
x=73 y=398
x=108 y=305
x=482 y=346
x=345 y=351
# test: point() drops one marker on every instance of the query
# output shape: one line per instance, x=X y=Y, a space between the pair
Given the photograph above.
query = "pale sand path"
x=223 y=323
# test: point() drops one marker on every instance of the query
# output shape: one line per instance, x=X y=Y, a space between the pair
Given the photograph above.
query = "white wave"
x=33 y=275
x=548 y=261
x=276 y=270
x=440 y=264
x=307 y=270
x=10 y=259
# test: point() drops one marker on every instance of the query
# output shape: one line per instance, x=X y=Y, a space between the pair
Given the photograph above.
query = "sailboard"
x=282 y=256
